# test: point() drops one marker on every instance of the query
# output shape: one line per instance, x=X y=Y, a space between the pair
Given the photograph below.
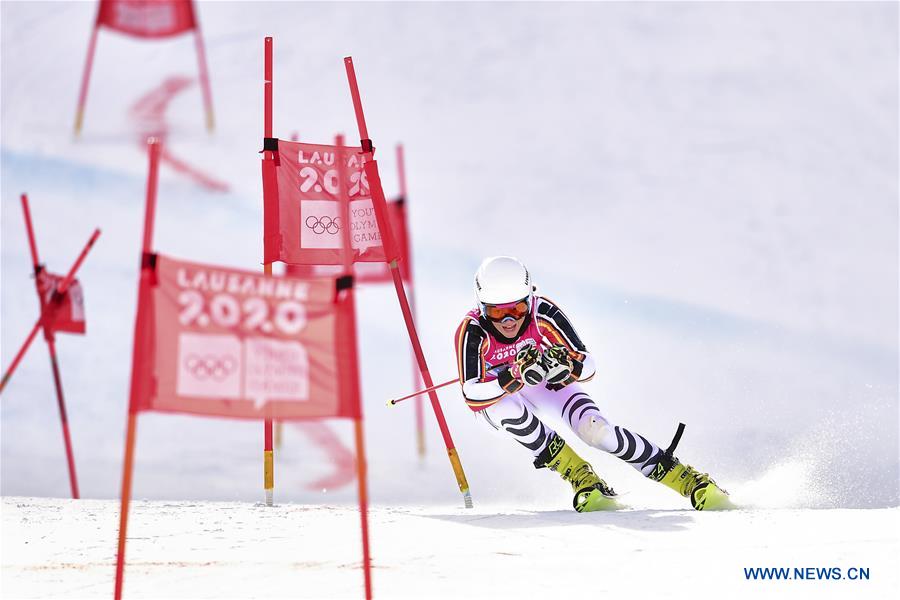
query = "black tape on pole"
x=344 y=282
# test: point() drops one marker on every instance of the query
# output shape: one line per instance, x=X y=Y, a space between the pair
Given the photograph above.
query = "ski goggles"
x=513 y=310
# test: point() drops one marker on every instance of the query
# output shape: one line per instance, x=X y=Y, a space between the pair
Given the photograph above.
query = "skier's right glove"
x=528 y=367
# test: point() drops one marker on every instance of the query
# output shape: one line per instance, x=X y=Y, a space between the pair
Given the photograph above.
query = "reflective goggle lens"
x=498 y=312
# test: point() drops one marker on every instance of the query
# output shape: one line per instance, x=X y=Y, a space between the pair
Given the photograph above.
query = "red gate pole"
x=268 y=453
x=61 y=289
x=128 y=467
x=70 y=276
x=21 y=353
x=34 y=260
x=359 y=435
x=268 y=456
x=204 y=76
x=387 y=237
x=86 y=77
x=138 y=360
x=361 y=475
x=32 y=244
x=64 y=420
x=417 y=377
x=51 y=347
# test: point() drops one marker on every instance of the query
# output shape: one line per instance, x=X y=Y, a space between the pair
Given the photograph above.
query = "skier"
x=519 y=354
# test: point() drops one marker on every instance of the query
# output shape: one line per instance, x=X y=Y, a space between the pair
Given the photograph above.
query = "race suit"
x=484 y=358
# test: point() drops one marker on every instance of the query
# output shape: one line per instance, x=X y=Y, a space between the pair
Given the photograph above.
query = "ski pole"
x=420 y=392
x=438 y=386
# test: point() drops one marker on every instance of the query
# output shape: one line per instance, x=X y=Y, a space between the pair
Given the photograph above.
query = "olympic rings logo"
x=209 y=366
x=324 y=224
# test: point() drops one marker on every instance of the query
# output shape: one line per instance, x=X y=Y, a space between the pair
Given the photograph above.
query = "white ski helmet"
x=502 y=279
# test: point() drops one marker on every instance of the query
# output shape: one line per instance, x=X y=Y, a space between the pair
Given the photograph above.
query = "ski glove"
x=508 y=381
x=528 y=367
x=562 y=368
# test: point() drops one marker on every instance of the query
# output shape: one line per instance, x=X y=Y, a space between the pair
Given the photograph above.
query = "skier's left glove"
x=562 y=368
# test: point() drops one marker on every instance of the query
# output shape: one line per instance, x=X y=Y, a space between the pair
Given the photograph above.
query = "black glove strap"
x=508 y=382
x=577 y=368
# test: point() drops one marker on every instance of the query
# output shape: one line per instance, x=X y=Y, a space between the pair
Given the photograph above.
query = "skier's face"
x=510 y=327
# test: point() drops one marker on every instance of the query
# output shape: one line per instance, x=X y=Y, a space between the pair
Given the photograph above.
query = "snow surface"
x=710 y=190
x=63 y=549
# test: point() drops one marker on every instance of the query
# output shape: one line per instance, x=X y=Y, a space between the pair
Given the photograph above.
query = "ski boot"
x=591 y=492
x=700 y=488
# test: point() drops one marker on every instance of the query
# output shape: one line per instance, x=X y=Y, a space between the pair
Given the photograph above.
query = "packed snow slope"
x=709 y=190
x=66 y=549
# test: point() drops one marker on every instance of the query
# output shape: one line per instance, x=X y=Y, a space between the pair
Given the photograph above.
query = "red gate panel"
x=65 y=314
x=241 y=344
x=302 y=189
x=147 y=18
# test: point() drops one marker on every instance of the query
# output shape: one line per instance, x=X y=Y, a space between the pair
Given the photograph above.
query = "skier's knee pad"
x=594 y=430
